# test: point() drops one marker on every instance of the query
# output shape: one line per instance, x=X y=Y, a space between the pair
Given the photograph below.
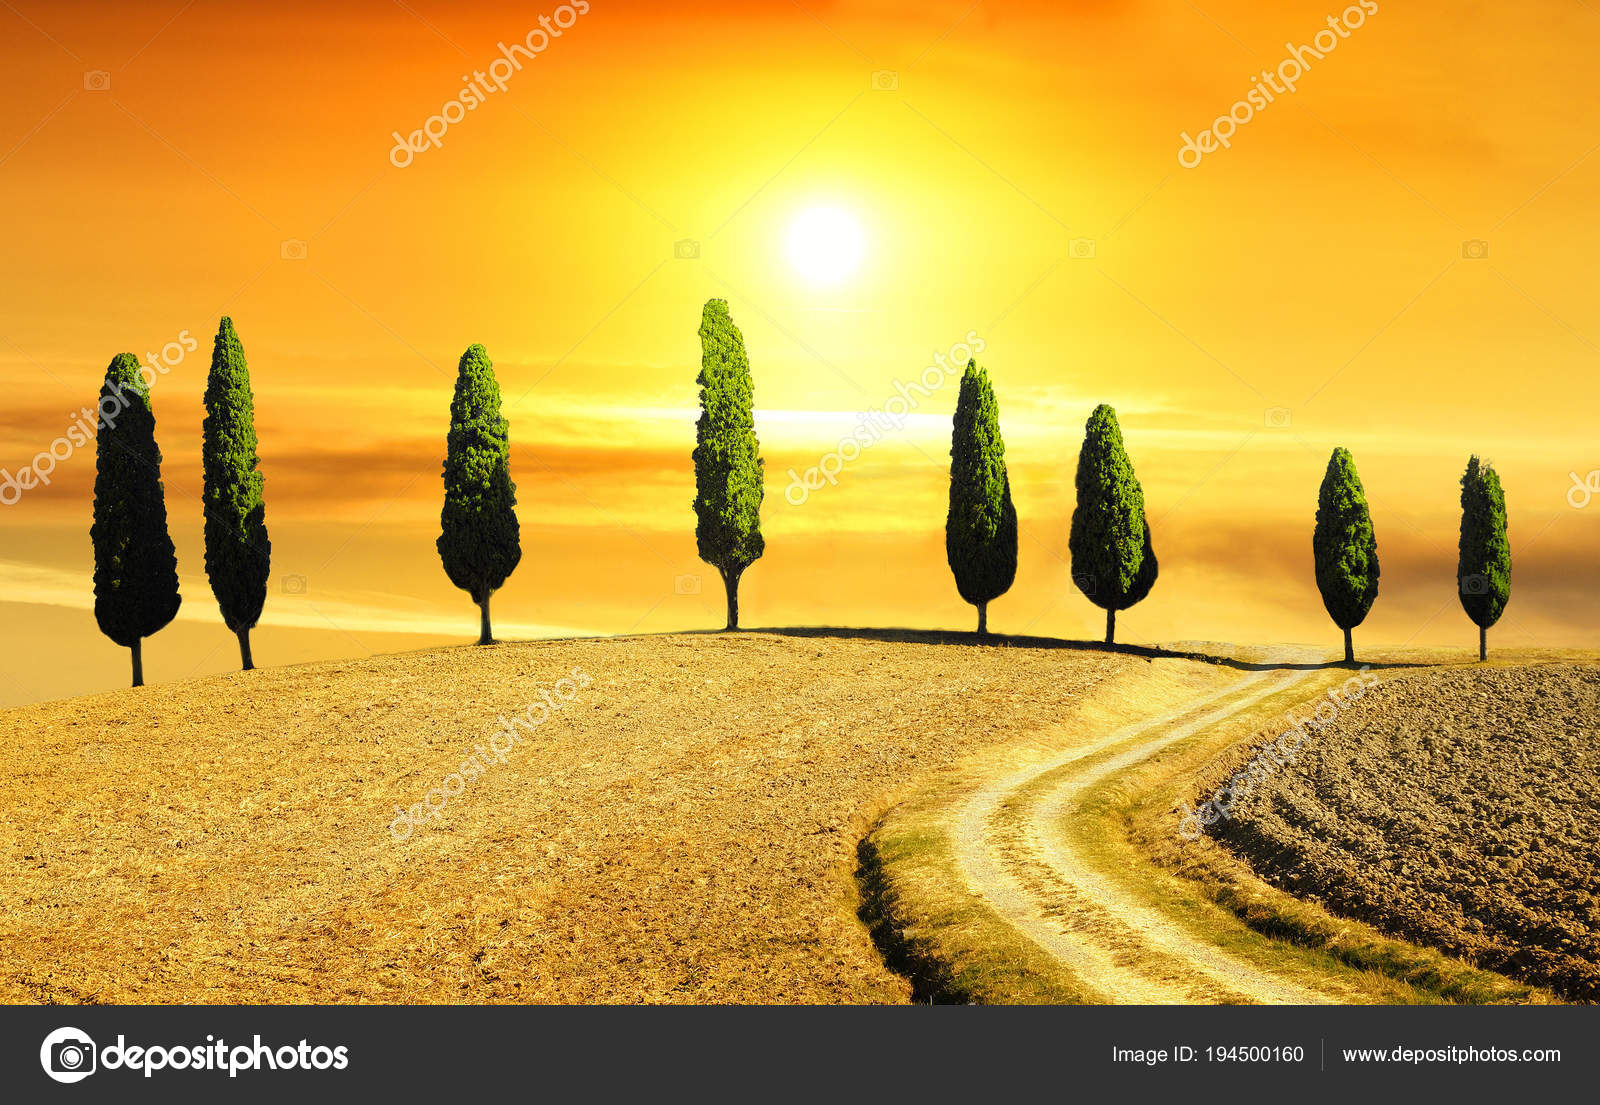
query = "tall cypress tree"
x=1345 y=547
x=727 y=457
x=980 y=532
x=1483 y=572
x=480 y=541
x=238 y=551
x=135 y=565
x=1113 y=561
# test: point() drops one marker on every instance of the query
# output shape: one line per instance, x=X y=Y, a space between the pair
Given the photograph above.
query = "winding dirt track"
x=1013 y=849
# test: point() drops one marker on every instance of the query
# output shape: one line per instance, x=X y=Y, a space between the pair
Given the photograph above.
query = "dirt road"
x=1015 y=848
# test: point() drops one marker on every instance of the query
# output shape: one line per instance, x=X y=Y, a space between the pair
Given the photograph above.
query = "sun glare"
x=825 y=244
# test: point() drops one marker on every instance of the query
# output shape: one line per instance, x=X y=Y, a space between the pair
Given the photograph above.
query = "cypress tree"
x=1113 y=561
x=135 y=565
x=480 y=542
x=980 y=532
x=1483 y=572
x=238 y=551
x=727 y=458
x=1345 y=548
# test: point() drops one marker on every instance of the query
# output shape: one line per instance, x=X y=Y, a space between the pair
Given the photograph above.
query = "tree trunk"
x=485 y=637
x=1111 y=628
x=1349 y=648
x=244 y=650
x=1483 y=644
x=730 y=582
x=983 y=619
x=138 y=662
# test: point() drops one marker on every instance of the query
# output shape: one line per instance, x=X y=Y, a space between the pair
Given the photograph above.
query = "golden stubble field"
x=683 y=830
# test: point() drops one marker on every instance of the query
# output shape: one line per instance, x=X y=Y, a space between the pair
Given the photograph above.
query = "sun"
x=826 y=244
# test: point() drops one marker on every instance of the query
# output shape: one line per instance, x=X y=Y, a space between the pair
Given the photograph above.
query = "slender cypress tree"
x=135 y=565
x=1113 y=562
x=1345 y=548
x=727 y=457
x=480 y=541
x=1483 y=573
x=238 y=551
x=980 y=532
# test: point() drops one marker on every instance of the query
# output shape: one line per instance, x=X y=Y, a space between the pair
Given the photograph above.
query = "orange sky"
x=1317 y=265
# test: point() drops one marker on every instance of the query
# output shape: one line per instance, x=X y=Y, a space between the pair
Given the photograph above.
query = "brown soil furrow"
x=1454 y=807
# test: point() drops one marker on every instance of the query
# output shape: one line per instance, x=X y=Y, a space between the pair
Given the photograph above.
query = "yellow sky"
x=1317 y=265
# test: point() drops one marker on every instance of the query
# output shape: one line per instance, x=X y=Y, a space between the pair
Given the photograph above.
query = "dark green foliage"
x=728 y=476
x=1483 y=572
x=238 y=552
x=1113 y=561
x=135 y=565
x=480 y=541
x=980 y=532
x=1149 y=568
x=1345 y=547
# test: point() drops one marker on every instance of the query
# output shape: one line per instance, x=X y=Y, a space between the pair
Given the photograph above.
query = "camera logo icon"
x=68 y=1055
x=1474 y=585
x=885 y=80
x=1081 y=249
x=1475 y=249
x=686 y=249
x=686 y=585
x=96 y=80
x=292 y=249
x=1279 y=418
x=294 y=585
